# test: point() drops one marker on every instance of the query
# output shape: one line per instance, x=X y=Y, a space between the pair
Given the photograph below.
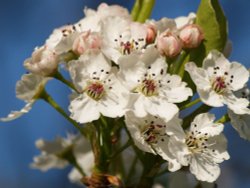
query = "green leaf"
x=211 y=19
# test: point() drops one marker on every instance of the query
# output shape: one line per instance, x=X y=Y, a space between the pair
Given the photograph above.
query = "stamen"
x=95 y=90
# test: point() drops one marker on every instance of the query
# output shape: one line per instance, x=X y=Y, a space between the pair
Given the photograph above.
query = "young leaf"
x=211 y=19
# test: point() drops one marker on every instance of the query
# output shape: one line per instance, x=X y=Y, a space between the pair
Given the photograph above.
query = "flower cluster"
x=125 y=79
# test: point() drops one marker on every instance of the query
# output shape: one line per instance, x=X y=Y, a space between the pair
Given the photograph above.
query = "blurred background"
x=25 y=24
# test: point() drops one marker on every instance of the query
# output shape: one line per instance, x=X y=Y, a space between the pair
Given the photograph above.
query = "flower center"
x=219 y=85
x=153 y=133
x=148 y=87
x=196 y=144
x=95 y=91
x=126 y=47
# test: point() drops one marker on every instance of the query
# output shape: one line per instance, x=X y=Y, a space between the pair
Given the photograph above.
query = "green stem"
x=124 y=147
x=60 y=77
x=136 y=9
x=178 y=66
x=132 y=169
x=187 y=120
x=192 y=103
x=223 y=119
x=104 y=145
x=146 y=9
x=47 y=98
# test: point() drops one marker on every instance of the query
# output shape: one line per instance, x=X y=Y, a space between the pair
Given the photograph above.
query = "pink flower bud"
x=86 y=41
x=168 y=44
x=42 y=62
x=151 y=34
x=191 y=36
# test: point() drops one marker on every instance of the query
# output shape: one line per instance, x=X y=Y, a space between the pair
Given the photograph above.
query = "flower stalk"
x=47 y=98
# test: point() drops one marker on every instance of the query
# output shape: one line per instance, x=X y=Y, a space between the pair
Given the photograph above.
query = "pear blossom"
x=54 y=153
x=122 y=37
x=241 y=123
x=191 y=36
x=28 y=89
x=59 y=34
x=151 y=88
x=218 y=79
x=203 y=149
x=100 y=92
x=43 y=62
x=169 y=44
x=104 y=10
x=86 y=41
x=151 y=134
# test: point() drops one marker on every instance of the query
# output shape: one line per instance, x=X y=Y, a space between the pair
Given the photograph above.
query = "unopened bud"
x=191 y=36
x=168 y=44
x=42 y=62
x=86 y=41
x=151 y=34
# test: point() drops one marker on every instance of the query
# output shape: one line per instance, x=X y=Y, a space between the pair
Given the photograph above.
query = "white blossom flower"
x=54 y=154
x=151 y=134
x=28 y=89
x=59 y=34
x=104 y=11
x=86 y=41
x=43 y=62
x=151 y=89
x=63 y=38
x=122 y=37
x=100 y=90
x=241 y=123
x=203 y=149
x=217 y=80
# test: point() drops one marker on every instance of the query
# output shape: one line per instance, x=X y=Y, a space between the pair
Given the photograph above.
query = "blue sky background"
x=26 y=24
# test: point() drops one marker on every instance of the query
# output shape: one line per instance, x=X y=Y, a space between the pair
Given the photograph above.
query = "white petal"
x=113 y=28
x=84 y=109
x=204 y=170
x=217 y=148
x=182 y=21
x=211 y=98
x=180 y=150
x=177 y=90
x=161 y=108
x=164 y=24
x=112 y=105
x=46 y=162
x=241 y=123
x=89 y=23
x=204 y=123
x=240 y=76
x=51 y=147
x=216 y=59
x=134 y=125
x=131 y=70
x=16 y=114
x=198 y=75
x=29 y=86
x=163 y=150
x=66 y=43
x=237 y=105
